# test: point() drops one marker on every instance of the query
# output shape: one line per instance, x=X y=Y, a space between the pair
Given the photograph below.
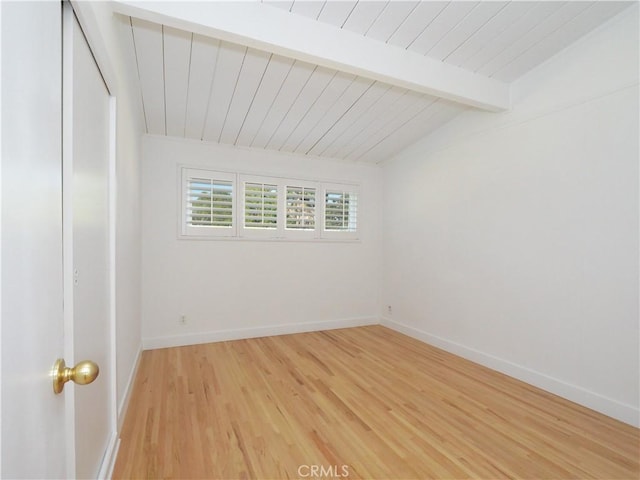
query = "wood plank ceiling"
x=203 y=88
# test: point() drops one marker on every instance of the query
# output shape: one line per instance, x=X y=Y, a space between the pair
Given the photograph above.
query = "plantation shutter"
x=260 y=205
x=340 y=210
x=208 y=203
x=300 y=208
x=226 y=204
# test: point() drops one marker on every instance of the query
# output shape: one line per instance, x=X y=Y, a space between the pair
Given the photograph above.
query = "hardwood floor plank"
x=368 y=399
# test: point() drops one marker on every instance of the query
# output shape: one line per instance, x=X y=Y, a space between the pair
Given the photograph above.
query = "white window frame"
x=238 y=231
x=192 y=231
x=340 y=234
x=252 y=232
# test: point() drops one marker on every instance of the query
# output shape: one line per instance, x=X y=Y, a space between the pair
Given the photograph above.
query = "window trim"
x=340 y=234
x=238 y=232
x=191 y=231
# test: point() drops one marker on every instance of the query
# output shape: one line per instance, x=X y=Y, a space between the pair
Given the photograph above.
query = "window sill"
x=269 y=239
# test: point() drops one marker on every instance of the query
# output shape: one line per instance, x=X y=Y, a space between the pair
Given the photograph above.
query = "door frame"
x=69 y=13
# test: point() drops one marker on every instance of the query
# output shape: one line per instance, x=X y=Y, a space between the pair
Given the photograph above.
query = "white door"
x=33 y=418
x=86 y=148
x=45 y=239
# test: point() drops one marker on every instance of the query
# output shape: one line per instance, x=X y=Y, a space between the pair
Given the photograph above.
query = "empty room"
x=320 y=239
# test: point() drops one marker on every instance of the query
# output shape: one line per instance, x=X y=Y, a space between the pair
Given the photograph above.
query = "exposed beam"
x=267 y=28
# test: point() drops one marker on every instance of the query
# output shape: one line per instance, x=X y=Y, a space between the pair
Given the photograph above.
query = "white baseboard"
x=124 y=402
x=151 y=343
x=110 y=455
x=608 y=406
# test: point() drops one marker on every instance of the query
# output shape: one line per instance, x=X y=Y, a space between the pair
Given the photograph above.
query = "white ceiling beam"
x=257 y=25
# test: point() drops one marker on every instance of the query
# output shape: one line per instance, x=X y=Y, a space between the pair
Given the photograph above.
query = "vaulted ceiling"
x=354 y=80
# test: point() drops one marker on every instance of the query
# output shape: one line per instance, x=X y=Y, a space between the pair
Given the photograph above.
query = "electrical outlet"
x=389 y=309
x=182 y=320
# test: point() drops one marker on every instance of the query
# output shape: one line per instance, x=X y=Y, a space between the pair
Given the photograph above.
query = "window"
x=208 y=203
x=226 y=204
x=260 y=210
x=340 y=219
x=260 y=205
x=340 y=211
x=301 y=208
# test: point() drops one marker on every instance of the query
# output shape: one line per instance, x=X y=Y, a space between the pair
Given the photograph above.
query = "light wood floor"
x=367 y=402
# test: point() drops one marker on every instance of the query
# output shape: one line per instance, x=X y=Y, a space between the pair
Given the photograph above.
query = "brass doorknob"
x=84 y=372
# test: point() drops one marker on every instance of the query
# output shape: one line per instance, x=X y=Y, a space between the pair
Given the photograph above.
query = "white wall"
x=512 y=239
x=118 y=66
x=241 y=288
